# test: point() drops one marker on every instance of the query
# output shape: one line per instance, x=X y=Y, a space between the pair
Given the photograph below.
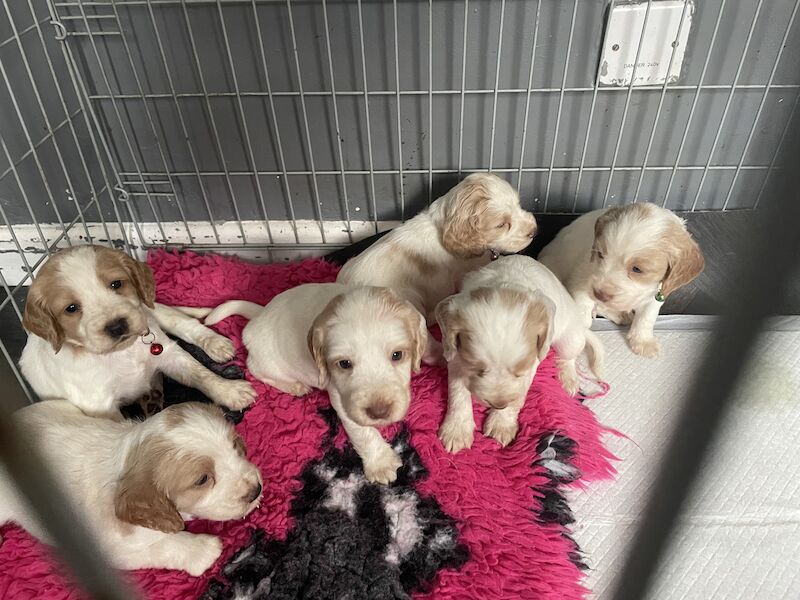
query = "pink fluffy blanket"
x=495 y=495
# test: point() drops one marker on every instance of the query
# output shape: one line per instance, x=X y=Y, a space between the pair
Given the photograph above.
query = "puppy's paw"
x=219 y=348
x=151 y=403
x=299 y=389
x=457 y=434
x=568 y=378
x=235 y=394
x=202 y=553
x=500 y=427
x=382 y=468
x=647 y=346
x=294 y=388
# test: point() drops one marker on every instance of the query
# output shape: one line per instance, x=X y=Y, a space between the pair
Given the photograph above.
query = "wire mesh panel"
x=310 y=122
x=55 y=189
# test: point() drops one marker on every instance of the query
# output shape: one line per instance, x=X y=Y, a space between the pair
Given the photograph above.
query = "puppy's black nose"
x=379 y=410
x=255 y=493
x=116 y=329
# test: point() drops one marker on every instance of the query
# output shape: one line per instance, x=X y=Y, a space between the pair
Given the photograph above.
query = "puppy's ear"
x=462 y=234
x=539 y=324
x=685 y=259
x=419 y=329
x=316 y=339
x=140 y=501
x=450 y=323
x=415 y=325
x=139 y=273
x=39 y=320
x=611 y=215
x=142 y=279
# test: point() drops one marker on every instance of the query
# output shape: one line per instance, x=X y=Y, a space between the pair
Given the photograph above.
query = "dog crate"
x=278 y=129
x=281 y=129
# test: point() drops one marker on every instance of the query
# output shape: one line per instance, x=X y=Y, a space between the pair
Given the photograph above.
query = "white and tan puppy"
x=360 y=344
x=495 y=333
x=135 y=483
x=425 y=259
x=622 y=262
x=88 y=314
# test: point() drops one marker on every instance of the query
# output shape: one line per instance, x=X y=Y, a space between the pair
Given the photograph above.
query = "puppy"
x=495 y=332
x=621 y=263
x=135 y=483
x=360 y=344
x=95 y=332
x=425 y=259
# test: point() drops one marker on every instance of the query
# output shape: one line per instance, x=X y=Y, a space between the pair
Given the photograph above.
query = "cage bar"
x=627 y=103
x=761 y=105
x=728 y=103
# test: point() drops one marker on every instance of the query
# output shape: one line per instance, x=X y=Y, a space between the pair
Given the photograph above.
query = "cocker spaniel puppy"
x=135 y=483
x=622 y=262
x=495 y=333
x=361 y=344
x=425 y=259
x=96 y=336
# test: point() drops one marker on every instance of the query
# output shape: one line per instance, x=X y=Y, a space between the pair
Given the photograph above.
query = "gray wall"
x=186 y=144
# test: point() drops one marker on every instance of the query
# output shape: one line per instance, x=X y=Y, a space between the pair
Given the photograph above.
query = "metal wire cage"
x=282 y=128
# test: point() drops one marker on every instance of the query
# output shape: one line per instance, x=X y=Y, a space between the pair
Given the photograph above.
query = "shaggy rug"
x=487 y=523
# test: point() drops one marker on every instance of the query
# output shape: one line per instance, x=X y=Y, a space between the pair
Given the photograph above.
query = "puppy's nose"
x=379 y=410
x=532 y=232
x=255 y=493
x=601 y=295
x=116 y=329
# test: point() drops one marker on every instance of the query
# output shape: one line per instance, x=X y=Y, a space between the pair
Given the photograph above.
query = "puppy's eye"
x=202 y=481
x=636 y=269
x=345 y=364
x=72 y=308
x=481 y=374
x=397 y=355
x=599 y=254
x=116 y=284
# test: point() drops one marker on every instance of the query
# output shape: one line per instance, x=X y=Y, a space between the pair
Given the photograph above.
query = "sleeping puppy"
x=360 y=344
x=495 y=333
x=621 y=263
x=95 y=336
x=135 y=483
x=425 y=259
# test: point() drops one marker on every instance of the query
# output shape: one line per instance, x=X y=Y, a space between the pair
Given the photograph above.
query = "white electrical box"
x=668 y=24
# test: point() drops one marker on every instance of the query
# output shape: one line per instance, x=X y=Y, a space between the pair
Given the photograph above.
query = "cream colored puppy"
x=495 y=333
x=94 y=326
x=621 y=263
x=360 y=344
x=135 y=483
x=425 y=259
